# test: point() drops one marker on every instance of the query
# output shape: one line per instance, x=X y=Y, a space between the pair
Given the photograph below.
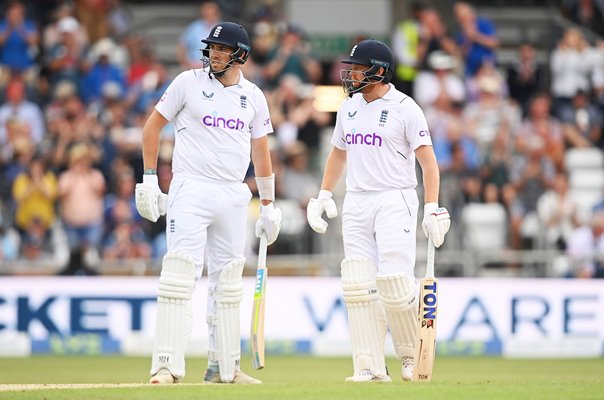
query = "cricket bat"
x=257 y=328
x=425 y=346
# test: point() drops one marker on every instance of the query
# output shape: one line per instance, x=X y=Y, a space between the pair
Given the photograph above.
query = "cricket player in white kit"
x=378 y=135
x=220 y=118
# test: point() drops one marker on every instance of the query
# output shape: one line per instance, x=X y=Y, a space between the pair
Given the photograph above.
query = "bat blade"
x=257 y=326
x=425 y=347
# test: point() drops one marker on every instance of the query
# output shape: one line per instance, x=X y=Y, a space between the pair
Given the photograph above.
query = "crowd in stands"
x=76 y=90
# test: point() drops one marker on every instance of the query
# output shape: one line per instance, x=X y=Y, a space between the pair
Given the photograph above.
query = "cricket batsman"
x=220 y=119
x=378 y=135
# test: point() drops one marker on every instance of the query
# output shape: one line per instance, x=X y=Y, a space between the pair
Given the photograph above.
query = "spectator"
x=65 y=60
x=586 y=249
x=35 y=193
x=441 y=84
x=558 y=213
x=18 y=109
x=541 y=131
x=587 y=13
x=188 y=50
x=569 y=70
x=298 y=182
x=491 y=113
x=408 y=49
x=525 y=77
x=477 y=38
x=435 y=37
x=102 y=71
x=18 y=40
x=81 y=190
x=582 y=121
x=63 y=20
x=93 y=15
x=293 y=57
x=294 y=115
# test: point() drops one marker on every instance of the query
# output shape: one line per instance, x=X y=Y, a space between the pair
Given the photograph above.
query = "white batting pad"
x=365 y=320
x=174 y=314
x=229 y=293
x=400 y=301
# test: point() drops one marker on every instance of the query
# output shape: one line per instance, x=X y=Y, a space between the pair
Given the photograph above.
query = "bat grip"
x=430 y=260
x=262 y=251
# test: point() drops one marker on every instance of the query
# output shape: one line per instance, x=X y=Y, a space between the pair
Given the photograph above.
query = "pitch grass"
x=311 y=378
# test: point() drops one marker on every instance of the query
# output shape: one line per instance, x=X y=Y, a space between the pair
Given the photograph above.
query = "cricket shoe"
x=241 y=378
x=407 y=368
x=368 y=376
x=163 y=377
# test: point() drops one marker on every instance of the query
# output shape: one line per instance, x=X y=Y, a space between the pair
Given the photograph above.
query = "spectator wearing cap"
x=81 y=190
x=102 y=72
x=293 y=57
x=52 y=32
x=440 y=85
x=18 y=36
x=188 y=49
x=66 y=58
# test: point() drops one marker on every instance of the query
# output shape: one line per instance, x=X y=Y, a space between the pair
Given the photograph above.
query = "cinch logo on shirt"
x=220 y=122
x=369 y=139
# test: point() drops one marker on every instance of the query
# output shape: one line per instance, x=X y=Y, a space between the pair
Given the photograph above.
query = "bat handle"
x=262 y=251
x=430 y=259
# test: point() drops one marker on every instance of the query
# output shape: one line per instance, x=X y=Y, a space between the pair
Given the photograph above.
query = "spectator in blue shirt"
x=188 y=50
x=477 y=38
x=101 y=72
x=17 y=35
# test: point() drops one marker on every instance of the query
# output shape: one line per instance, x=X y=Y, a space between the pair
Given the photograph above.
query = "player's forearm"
x=430 y=173
x=336 y=162
x=261 y=157
x=151 y=138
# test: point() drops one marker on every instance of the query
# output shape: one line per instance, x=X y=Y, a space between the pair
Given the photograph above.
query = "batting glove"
x=269 y=223
x=436 y=223
x=315 y=209
x=150 y=201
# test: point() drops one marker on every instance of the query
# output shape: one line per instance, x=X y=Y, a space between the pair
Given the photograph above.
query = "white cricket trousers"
x=381 y=225
x=207 y=221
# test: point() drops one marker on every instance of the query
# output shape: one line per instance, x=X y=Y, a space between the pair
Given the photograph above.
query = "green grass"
x=313 y=378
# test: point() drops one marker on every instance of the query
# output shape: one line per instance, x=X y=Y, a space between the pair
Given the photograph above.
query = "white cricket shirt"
x=380 y=139
x=214 y=124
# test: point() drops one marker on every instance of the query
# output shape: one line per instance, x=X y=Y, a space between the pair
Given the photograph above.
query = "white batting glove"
x=150 y=201
x=315 y=209
x=436 y=223
x=269 y=223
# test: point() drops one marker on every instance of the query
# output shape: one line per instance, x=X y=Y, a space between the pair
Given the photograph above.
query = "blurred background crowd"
x=519 y=139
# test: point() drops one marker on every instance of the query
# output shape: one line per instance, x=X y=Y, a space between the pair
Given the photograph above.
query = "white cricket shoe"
x=407 y=368
x=163 y=377
x=241 y=378
x=368 y=376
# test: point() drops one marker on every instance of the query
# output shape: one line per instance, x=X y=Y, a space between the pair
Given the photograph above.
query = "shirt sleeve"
x=416 y=127
x=173 y=99
x=261 y=125
x=337 y=139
